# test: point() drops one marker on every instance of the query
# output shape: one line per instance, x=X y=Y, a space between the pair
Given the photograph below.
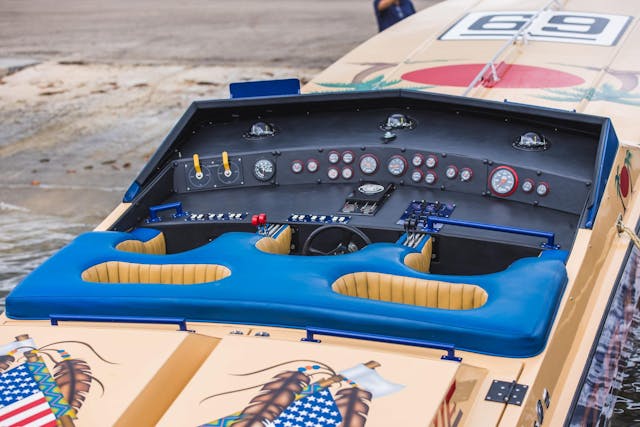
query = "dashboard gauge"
x=334 y=157
x=264 y=169
x=417 y=175
x=431 y=161
x=527 y=185
x=417 y=160
x=397 y=165
x=542 y=189
x=466 y=174
x=451 y=172
x=503 y=181
x=431 y=177
x=368 y=164
x=347 y=172
x=199 y=180
x=333 y=173
x=312 y=165
x=348 y=157
x=229 y=176
x=296 y=166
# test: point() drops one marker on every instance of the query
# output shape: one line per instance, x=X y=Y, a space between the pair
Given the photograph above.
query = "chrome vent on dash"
x=261 y=130
x=531 y=141
x=398 y=121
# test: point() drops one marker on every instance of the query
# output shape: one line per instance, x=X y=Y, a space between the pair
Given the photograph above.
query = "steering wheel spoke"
x=345 y=237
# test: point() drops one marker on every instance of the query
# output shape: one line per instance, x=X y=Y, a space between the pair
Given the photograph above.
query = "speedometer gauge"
x=397 y=165
x=368 y=164
x=503 y=181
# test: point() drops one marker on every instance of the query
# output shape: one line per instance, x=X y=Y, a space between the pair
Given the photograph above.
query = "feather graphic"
x=73 y=376
x=273 y=398
x=5 y=362
x=353 y=404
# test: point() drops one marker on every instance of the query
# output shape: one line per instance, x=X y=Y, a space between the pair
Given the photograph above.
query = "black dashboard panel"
x=308 y=153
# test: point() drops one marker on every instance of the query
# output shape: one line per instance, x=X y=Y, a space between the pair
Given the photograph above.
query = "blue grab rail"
x=155 y=210
x=450 y=348
x=181 y=322
x=550 y=236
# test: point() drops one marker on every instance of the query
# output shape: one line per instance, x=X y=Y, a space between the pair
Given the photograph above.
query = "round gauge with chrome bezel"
x=431 y=161
x=451 y=172
x=417 y=175
x=264 y=169
x=347 y=172
x=334 y=157
x=503 y=181
x=542 y=189
x=397 y=165
x=417 y=160
x=430 y=177
x=312 y=165
x=297 y=166
x=368 y=164
x=333 y=173
x=527 y=185
x=466 y=174
x=348 y=157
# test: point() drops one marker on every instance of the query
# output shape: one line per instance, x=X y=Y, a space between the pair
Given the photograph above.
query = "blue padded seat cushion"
x=295 y=291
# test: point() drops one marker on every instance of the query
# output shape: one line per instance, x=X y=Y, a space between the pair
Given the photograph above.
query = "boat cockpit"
x=396 y=213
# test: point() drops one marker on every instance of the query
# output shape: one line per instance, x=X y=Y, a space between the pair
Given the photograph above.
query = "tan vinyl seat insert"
x=168 y=274
x=411 y=290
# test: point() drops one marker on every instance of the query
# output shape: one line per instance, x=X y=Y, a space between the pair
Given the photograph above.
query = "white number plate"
x=554 y=26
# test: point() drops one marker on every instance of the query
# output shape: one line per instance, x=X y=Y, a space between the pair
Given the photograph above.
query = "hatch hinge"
x=509 y=392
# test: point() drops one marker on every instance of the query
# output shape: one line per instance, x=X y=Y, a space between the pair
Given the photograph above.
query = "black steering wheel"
x=349 y=239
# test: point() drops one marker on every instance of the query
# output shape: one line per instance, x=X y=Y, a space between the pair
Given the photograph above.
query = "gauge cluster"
x=429 y=170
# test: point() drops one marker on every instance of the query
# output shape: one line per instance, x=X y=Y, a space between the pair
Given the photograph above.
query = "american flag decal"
x=317 y=409
x=21 y=401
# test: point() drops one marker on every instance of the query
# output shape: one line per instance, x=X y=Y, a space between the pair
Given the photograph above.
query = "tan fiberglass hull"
x=153 y=375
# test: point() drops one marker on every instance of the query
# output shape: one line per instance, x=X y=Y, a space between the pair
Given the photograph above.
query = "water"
x=28 y=239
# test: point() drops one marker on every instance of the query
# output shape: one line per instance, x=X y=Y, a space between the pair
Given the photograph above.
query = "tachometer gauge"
x=264 y=169
x=397 y=165
x=334 y=157
x=503 y=181
x=347 y=157
x=368 y=164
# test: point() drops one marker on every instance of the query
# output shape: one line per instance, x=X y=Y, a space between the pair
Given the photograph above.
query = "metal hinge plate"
x=509 y=392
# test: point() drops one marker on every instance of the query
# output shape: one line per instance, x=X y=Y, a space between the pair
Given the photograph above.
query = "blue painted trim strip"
x=181 y=322
x=550 y=236
x=450 y=348
x=603 y=170
x=261 y=88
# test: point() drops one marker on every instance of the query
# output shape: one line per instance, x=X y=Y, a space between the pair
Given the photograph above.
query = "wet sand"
x=115 y=76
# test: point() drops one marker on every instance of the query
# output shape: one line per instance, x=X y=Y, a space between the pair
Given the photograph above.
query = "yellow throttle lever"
x=225 y=164
x=197 y=167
